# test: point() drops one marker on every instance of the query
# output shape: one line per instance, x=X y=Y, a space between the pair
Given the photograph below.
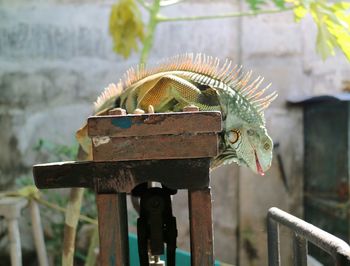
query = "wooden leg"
x=201 y=227
x=38 y=233
x=15 y=242
x=113 y=229
x=10 y=208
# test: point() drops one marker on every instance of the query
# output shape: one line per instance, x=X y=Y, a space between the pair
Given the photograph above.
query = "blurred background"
x=56 y=56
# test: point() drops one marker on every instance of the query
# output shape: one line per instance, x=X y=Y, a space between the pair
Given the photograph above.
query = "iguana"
x=199 y=80
x=180 y=81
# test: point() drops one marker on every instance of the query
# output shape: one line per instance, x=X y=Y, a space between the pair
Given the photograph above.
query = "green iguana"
x=201 y=80
x=169 y=87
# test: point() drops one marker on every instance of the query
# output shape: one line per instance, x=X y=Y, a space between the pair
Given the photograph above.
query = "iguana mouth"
x=258 y=165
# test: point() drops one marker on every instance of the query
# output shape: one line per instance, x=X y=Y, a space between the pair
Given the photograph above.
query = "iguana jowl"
x=199 y=80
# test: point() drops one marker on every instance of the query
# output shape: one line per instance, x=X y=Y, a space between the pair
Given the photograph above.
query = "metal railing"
x=303 y=233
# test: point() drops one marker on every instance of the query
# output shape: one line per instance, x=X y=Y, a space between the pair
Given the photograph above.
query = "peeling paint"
x=122 y=122
x=101 y=140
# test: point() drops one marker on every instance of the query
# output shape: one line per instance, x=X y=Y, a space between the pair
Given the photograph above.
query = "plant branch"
x=151 y=27
x=91 y=256
x=228 y=15
x=170 y=2
x=144 y=4
x=61 y=209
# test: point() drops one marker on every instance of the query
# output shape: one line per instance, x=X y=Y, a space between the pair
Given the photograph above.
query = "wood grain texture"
x=65 y=174
x=171 y=148
x=154 y=124
x=111 y=177
x=156 y=147
x=113 y=229
x=201 y=227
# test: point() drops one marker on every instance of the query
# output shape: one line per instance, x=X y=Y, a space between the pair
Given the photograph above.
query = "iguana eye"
x=233 y=136
x=267 y=146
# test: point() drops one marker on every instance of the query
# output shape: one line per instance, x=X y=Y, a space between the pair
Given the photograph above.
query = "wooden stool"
x=10 y=208
x=173 y=149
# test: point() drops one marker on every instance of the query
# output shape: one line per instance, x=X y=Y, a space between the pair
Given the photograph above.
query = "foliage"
x=258 y=4
x=53 y=221
x=125 y=27
x=54 y=204
x=255 y=4
x=333 y=24
x=56 y=221
x=59 y=152
x=55 y=200
x=331 y=18
x=55 y=225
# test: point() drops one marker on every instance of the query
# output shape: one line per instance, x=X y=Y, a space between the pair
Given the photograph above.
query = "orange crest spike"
x=208 y=66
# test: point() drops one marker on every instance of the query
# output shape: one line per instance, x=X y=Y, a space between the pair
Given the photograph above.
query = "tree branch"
x=161 y=18
x=151 y=27
x=144 y=4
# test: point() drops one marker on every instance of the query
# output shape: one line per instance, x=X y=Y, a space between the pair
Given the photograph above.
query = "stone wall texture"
x=56 y=56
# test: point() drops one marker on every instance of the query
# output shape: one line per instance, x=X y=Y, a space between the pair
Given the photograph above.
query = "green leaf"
x=279 y=3
x=255 y=4
x=333 y=24
x=336 y=23
x=126 y=27
x=323 y=45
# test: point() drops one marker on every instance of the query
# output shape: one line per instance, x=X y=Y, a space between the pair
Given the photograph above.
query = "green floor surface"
x=183 y=258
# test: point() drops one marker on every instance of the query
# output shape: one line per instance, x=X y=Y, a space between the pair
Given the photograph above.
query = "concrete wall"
x=56 y=56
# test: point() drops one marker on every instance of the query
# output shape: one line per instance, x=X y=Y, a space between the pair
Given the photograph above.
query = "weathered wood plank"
x=155 y=147
x=201 y=227
x=65 y=174
x=154 y=124
x=113 y=229
x=111 y=177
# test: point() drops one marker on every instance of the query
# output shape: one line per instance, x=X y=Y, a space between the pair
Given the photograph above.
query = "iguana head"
x=247 y=145
x=244 y=139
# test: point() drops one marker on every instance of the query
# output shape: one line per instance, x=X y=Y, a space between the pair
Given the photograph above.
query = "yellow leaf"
x=299 y=13
x=333 y=24
x=125 y=27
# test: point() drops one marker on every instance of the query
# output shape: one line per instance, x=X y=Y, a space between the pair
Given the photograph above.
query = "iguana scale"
x=202 y=81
